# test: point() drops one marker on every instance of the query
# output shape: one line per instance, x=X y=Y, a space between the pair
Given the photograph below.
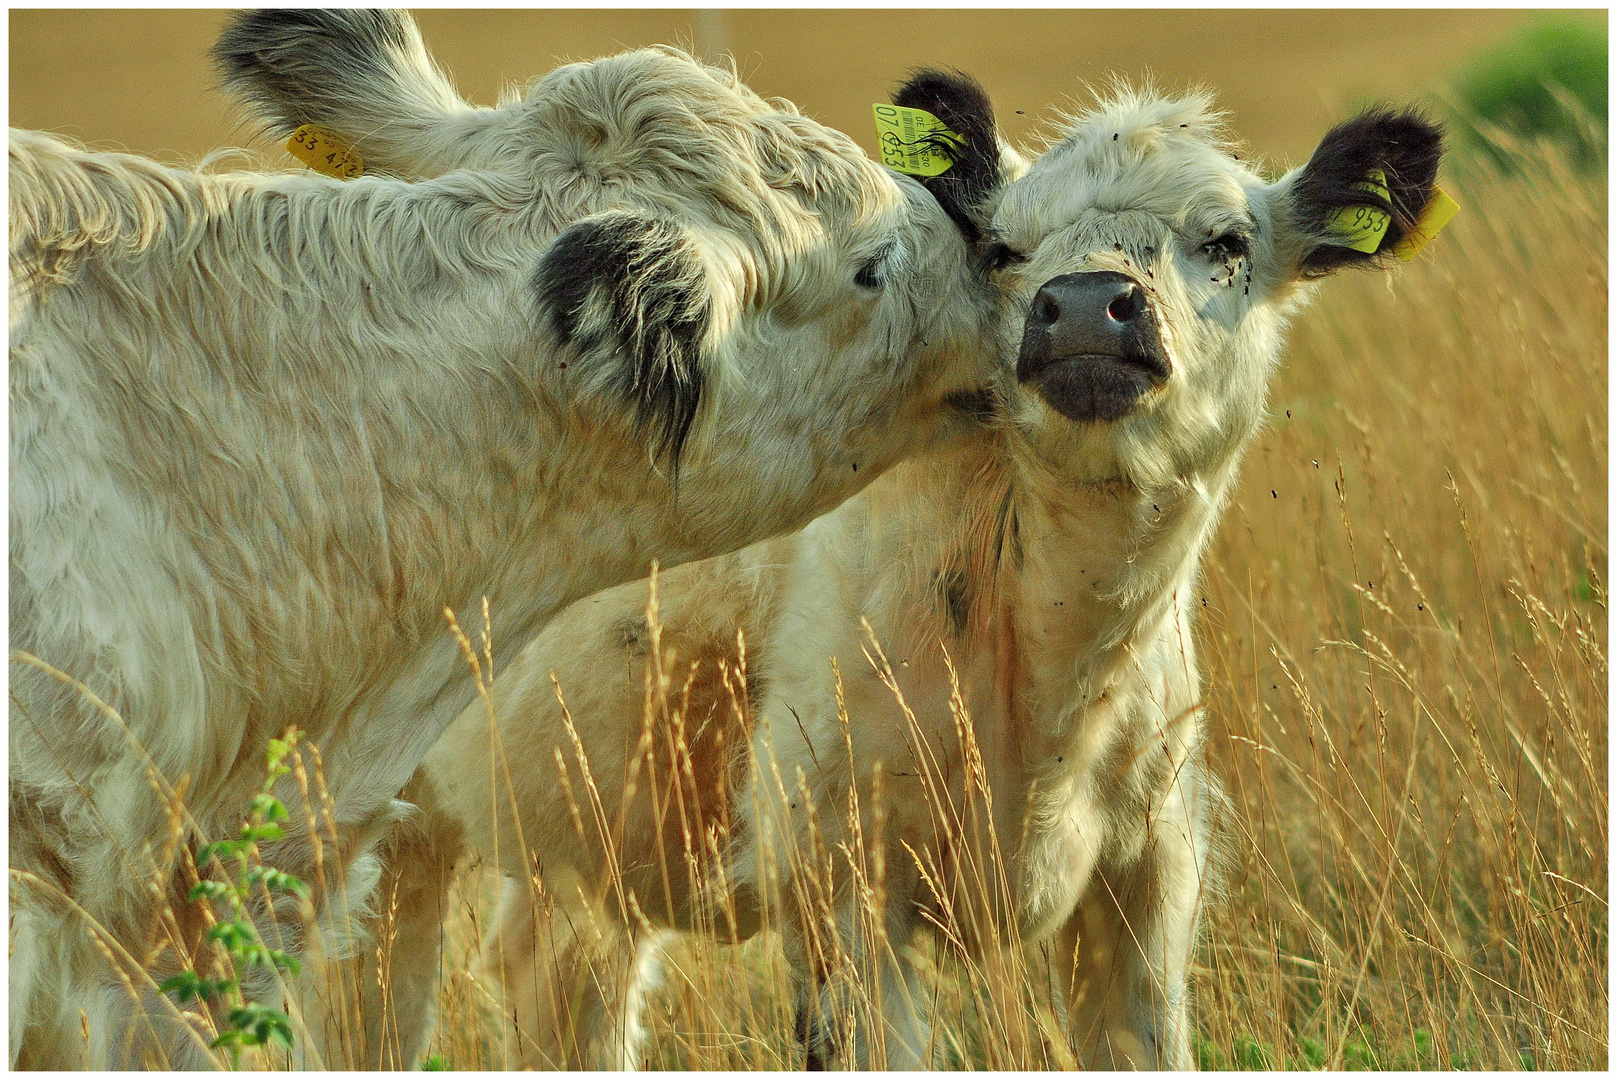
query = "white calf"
x=1039 y=579
x=266 y=428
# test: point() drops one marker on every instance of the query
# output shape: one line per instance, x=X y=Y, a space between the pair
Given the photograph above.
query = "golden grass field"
x=1403 y=642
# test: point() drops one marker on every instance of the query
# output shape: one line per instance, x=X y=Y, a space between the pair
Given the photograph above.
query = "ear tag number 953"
x=912 y=140
x=1362 y=227
x=323 y=152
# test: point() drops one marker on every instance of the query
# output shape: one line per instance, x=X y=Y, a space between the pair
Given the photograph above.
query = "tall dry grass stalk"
x=1404 y=637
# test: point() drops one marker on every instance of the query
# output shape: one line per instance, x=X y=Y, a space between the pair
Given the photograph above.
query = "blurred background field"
x=1405 y=651
x=1404 y=631
x=140 y=80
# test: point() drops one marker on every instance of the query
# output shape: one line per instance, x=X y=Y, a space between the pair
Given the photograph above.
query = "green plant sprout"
x=247 y=1023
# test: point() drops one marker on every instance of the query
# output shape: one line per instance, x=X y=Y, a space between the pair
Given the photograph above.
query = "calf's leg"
x=573 y=981
x=1131 y=938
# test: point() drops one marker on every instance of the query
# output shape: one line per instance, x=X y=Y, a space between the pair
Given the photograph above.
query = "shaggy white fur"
x=1032 y=593
x=266 y=428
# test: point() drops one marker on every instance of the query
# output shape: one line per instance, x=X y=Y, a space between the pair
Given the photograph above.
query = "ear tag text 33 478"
x=915 y=142
x=323 y=152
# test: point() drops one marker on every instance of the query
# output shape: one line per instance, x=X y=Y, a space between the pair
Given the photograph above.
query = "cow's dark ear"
x=966 y=188
x=362 y=74
x=299 y=66
x=628 y=295
x=1403 y=146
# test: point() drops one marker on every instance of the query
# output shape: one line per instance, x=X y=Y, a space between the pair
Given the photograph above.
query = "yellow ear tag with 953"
x=910 y=138
x=323 y=152
x=1362 y=227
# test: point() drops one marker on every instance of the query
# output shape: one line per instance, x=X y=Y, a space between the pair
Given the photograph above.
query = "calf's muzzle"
x=1091 y=346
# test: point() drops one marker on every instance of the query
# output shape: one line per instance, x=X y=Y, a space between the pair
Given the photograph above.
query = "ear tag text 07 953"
x=323 y=152
x=912 y=140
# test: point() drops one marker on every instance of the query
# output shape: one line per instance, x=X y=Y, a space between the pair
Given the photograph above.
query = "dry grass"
x=1404 y=643
x=1405 y=648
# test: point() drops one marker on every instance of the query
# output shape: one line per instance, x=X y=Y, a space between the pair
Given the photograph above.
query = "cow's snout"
x=1091 y=345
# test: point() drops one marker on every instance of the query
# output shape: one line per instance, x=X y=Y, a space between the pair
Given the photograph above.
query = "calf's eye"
x=1231 y=245
x=999 y=256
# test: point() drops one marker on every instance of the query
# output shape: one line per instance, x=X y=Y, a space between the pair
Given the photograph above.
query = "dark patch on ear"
x=962 y=104
x=1404 y=145
x=629 y=286
x=297 y=66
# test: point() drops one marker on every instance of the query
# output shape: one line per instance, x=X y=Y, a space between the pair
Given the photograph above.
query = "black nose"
x=1092 y=345
x=1094 y=314
x=1078 y=295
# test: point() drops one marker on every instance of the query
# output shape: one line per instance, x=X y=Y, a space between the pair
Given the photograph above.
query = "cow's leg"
x=25 y=970
x=1106 y=981
x=573 y=980
x=837 y=1028
x=1126 y=950
x=70 y=1008
x=412 y=902
x=838 y=1024
x=42 y=991
x=70 y=1011
x=905 y=1031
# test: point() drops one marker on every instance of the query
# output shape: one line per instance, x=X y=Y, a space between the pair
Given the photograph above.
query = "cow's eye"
x=876 y=271
x=999 y=256
x=1232 y=245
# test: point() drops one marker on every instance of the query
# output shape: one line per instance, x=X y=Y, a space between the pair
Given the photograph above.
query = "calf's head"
x=773 y=310
x=1147 y=274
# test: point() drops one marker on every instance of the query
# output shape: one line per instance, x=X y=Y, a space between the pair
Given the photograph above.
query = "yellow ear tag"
x=1440 y=210
x=1362 y=227
x=323 y=152
x=909 y=137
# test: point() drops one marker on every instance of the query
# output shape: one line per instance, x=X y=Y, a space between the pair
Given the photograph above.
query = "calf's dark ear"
x=1403 y=146
x=628 y=295
x=965 y=189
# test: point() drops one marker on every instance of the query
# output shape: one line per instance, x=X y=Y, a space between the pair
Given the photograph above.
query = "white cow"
x=266 y=428
x=1045 y=572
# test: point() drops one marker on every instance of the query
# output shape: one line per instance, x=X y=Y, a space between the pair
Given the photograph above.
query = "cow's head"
x=768 y=301
x=1149 y=273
